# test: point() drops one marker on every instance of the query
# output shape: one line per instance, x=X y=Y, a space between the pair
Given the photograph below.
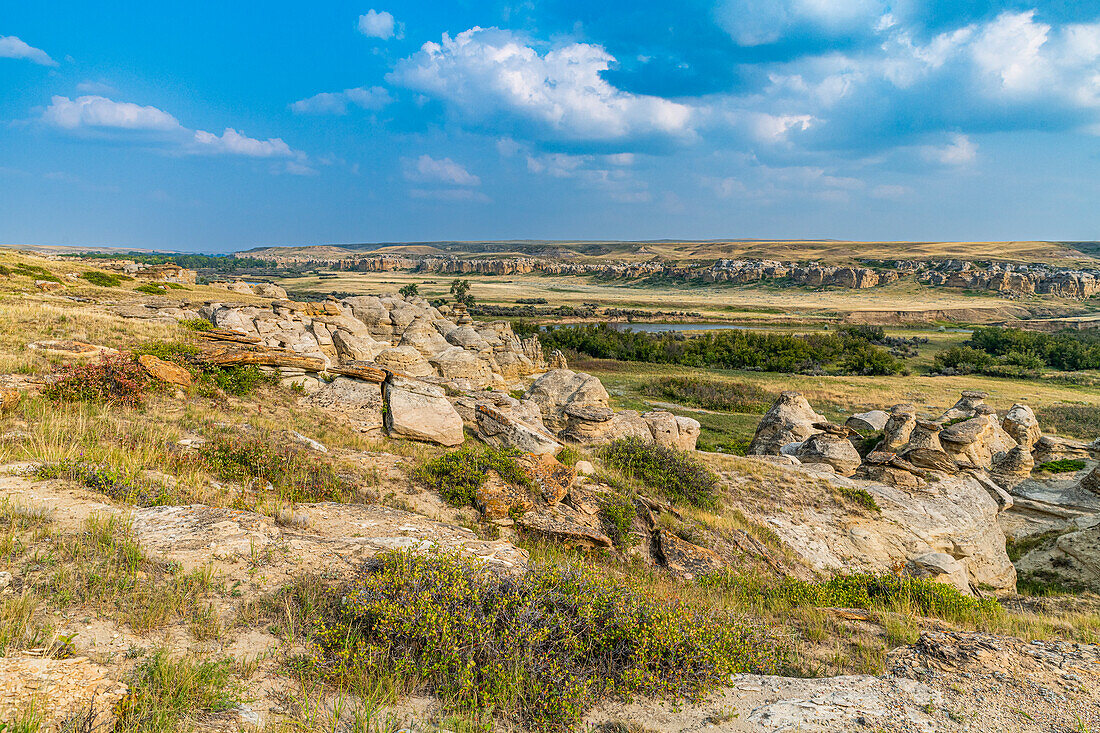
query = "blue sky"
x=214 y=126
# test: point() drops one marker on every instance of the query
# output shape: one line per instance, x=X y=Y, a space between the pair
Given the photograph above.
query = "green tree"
x=460 y=289
x=410 y=290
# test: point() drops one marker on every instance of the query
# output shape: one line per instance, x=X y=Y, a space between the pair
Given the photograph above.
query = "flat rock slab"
x=768 y=704
x=336 y=536
x=58 y=688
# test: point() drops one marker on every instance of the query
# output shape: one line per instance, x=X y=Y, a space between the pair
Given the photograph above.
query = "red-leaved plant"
x=116 y=379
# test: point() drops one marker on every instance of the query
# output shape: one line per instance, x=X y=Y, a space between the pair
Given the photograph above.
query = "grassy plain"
x=906 y=300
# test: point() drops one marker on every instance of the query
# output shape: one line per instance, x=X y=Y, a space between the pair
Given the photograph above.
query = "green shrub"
x=885 y=591
x=5 y=271
x=150 y=289
x=677 y=474
x=104 y=279
x=569 y=456
x=458 y=475
x=858 y=496
x=294 y=473
x=163 y=692
x=1063 y=465
x=234 y=380
x=541 y=648
x=36 y=272
x=711 y=394
x=113 y=482
x=771 y=352
x=409 y=290
x=617 y=514
x=197 y=324
x=114 y=379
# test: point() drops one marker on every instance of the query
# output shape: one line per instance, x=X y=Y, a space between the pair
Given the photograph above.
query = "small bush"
x=235 y=380
x=104 y=279
x=150 y=289
x=886 y=591
x=409 y=290
x=541 y=648
x=293 y=472
x=1063 y=465
x=114 y=379
x=197 y=324
x=617 y=514
x=569 y=456
x=36 y=272
x=679 y=475
x=5 y=271
x=459 y=474
x=113 y=482
x=711 y=394
x=858 y=496
x=164 y=691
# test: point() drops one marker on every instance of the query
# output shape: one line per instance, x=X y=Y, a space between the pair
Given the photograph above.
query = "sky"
x=214 y=126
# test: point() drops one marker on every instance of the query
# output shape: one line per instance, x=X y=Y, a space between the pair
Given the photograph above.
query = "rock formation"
x=789 y=420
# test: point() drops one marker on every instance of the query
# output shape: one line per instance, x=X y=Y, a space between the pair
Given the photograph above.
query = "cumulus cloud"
x=494 y=78
x=100 y=116
x=959 y=150
x=92 y=112
x=12 y=47
x=336 y=103
x=379 y=24
x=427 y=169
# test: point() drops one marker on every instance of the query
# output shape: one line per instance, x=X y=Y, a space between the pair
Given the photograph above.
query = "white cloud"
x=12 y=47
x=102 y=116
x=336 y=103
x=379 y=24
x=959 y=150
x=232 y=142
x=610 y=174
x=758 y=22
x=96 y=87
x=427 y=169
x=95 y=112
x=492 y=77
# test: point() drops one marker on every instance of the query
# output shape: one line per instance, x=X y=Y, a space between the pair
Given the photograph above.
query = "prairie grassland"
x=749 y=303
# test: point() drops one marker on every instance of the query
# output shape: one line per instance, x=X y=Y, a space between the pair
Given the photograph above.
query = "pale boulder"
x=789 y=420
x=420 y=411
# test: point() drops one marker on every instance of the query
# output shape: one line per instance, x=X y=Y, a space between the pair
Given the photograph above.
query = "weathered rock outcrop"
x=575 y=407
x=1021 y=424
x=831 y=447
x=898 y=428
x=789 y=420
x=356 y=400
x=420 y=411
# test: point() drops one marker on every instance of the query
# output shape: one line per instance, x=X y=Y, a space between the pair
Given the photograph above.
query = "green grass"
x=164 y=693
x=1062 y=465
x=293 y=474
x=887 y=592
x=1078 y=421
x=458 y=474
x=617 y=514
x=238 y=381
x=540 y=649
x=150 y=289
x=743 y=397
x=676 y=474
x=105 y=279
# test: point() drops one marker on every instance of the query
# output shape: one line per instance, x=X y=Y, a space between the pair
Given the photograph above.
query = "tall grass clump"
x=677 y=474
x=540 y=649
x=164 y=692
x=884 y=591
x=294 y=473
x=711 y=394
x=458 y=475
